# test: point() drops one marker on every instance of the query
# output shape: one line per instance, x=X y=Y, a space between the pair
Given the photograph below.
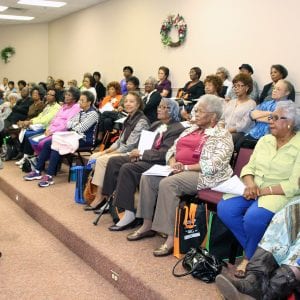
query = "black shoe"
x=18 y=156
x=102 y=210
x=97 y=207
x=132 y=224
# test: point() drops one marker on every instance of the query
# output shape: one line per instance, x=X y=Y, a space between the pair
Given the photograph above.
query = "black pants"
x=247 y=141
x=123 y=177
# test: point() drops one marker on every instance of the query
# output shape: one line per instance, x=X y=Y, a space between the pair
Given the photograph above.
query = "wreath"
x=179 y=23
x=7 y=53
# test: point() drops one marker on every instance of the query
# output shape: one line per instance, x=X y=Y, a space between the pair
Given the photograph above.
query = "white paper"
x=186 y=124
x=36 y=127
x=158 y=170
x=107 y=107
x=38 y=137
x=146 y=140
x=122 y=120
x=233 y=185
x=21 y=135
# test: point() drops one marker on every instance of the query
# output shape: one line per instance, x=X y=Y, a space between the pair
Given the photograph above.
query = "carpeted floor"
x=141 y=275
x=35 y=265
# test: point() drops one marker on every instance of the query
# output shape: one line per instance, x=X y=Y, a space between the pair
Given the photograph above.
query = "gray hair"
x=213 y=103
x=290 y=111
x=13 y=95
x=152 y=80
x=173 y=108
x=224 y=71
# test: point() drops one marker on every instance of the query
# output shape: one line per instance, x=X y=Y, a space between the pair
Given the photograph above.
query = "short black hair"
x=134 y=80
x=281 y=69
x=40 y=89
x=23 y=82
x=97 y=73
x=11 y=82
x=53 y=89
x=197 y=71
x=130 y=69
x=165 y=70
x=89 y=96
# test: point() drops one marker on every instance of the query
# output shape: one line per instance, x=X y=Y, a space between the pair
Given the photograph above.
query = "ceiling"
x=43 y=14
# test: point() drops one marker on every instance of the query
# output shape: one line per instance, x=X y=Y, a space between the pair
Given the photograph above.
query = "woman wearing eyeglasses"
x=271 y=180
x=236 y=117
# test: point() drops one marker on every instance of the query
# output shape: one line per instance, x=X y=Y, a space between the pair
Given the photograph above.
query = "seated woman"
x=113 y=95
x=271 y=180
x=132 y=128
x=84 y=123
x=260 y=115
x=199 y=158
x=108 y=118
x=59 y=123
x=88 y=85
x=236 y=112
x=6 y=107
x=164 y=84
x=223 y=73
x=43 y=119
x=278 y=72
x=123 y=173
x=151 y=100
x=273 y=271
x=194 y=88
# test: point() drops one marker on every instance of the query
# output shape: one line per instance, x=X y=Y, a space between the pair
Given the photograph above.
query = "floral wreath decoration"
x=7 y=53
x=179 y=23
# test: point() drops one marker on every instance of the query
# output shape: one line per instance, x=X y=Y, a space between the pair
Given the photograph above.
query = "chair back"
x=242 y=159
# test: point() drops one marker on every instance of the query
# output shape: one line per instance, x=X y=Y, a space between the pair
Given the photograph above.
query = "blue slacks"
x=246 y=220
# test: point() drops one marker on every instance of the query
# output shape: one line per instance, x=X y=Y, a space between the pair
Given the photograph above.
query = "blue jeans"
x=246 y=220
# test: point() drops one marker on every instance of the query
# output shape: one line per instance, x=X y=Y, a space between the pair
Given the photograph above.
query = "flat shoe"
x=98 y=206
x=135 y=236
x=163 y=250
x=121 y=228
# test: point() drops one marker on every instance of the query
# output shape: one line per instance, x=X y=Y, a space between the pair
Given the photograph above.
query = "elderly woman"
x=223 y=73
x=6 y=107
x=278 y=72
x=236 y=112
x=151 y=99
x=213 y=85
x=271 y=180
x=123 y=173
x=88 y=85
x=59 y=123
x=199 y=159
x=260 y=115
x=83 y=123
x=133 y=126
x=164 y=84
x=274 y=270
x=113 y=95
x=41 y=122
x=37 y=96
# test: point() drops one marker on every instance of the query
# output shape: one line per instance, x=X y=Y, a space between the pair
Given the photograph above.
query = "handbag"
x=88 y=194
x=82 y=173
x=190 y=227
x=201 y=264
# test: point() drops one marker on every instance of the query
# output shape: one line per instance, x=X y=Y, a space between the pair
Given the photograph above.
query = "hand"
x=177 y=166
x=120 y=109
x=251 y=191
x=47 y=132
x=20 y=124
x=135 y=153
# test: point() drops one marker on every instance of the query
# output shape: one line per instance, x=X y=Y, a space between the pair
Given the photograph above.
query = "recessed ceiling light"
x=18 y=18
x=3 y=8
x=42 y=3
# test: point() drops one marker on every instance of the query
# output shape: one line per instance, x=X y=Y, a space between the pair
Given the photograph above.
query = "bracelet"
x=270 y=189
x=185 y=168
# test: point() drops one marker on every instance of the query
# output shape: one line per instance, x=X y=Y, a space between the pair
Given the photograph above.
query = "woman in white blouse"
x=236 y=116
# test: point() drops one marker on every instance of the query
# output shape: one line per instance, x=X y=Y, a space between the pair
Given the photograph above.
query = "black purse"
x=200 y=264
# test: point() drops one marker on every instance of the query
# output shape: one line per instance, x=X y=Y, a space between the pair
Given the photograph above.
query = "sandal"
x=241 y=269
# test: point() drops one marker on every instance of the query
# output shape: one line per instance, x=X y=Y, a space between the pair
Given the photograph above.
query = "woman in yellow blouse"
x=271 y=180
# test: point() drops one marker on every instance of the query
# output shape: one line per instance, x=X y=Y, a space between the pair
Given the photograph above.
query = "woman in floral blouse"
x=199 y=159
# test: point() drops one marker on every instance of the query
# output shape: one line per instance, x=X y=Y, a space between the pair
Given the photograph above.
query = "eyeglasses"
x=238 y=86
x=276 y=118
x=203 y=112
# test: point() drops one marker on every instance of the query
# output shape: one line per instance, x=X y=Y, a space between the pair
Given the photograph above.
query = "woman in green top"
x=271 y=180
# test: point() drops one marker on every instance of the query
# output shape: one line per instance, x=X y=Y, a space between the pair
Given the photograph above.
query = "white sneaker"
x=20 y=162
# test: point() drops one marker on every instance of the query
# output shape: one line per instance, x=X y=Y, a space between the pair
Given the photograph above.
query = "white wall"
x=116 y=33
x=31 y=59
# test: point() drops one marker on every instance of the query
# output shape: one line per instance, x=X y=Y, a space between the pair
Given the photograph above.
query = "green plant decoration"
x=7 y=53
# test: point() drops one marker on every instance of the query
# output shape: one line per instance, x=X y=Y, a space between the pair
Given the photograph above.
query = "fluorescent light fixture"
x=3 y=8
x=42 y=3
x=18 y=18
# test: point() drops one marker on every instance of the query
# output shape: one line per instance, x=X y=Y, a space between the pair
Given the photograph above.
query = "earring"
x=289 y=126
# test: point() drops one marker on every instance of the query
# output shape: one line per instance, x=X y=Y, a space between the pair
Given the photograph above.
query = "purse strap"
x=182 y=274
